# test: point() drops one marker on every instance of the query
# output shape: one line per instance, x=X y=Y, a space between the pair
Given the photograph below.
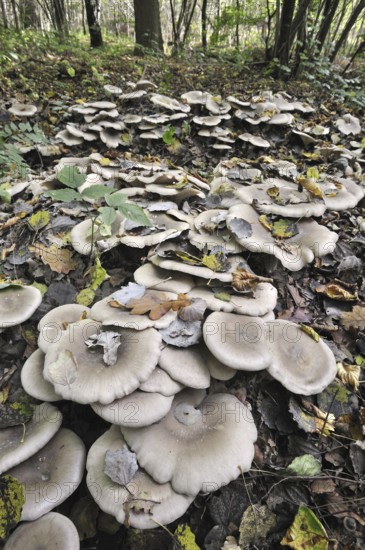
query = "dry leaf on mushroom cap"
x=238 y=341
x=51 y=475
x=18 y=443
x=17 y=303
x=283 y=198
x=135 y=410
x=200 y=445
x=33 y=381
x=301 y=363
x=211 y=232
x=79 y=373
x=52 y=530
x=142 y=503
x=163 y=227
x=309 y=239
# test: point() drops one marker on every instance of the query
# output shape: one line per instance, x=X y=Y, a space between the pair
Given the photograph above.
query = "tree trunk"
x=15 y=14
x=204 y=24
x=60 y=22
x=30 y=15
x=350 y=23
x=92 y=8
x=282 y=47
x=4 y=14
x=147 y=26
x=300 y=21
x=329 y=11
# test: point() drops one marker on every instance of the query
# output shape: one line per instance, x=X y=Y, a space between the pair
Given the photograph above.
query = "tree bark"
x=282 y=48
x=93 y=8
x=204 y=24
x=147 y=26
x=15 y=14
x=30 y=15
x=329 y=11
x=60 y=22
x=4 y=14
x=300 y=21
x=350 y=23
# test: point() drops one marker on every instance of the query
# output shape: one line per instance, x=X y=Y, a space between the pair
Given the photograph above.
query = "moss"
x=11 y=502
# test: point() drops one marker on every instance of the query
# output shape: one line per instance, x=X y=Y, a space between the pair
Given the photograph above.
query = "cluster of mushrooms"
x=152 y=358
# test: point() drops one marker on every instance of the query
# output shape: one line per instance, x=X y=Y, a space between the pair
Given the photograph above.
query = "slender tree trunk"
x=350 y=23
x=204 y=24
x=60 y=22
x=4 y=14
x=93 y=8
x=282 y=48
x=237 y=24
x=147 y=26
x=299 y=21
x=15 y=15
x=329 y=11
x=30 y=15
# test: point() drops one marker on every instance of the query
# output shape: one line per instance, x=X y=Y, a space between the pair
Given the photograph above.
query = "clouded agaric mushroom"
x=199 y=445
x=78 y=371
x=52 y=531
x=33 y=381
x=187 y=366
x=141 y=503
x=238 y=341
x=299 y=362
x=54 y=322
x=17 y=443
x=51 y=475
x=21 y=109
x=17 y=304
x=348 y=124
x=150 y=275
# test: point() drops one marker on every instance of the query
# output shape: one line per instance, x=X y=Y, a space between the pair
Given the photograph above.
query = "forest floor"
x=53 y=79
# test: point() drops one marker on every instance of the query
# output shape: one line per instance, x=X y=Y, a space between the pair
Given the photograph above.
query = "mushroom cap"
x=22 y=109
x=33 y=381
x=17 y=304
x=79 y=373
x=165 y=227
x=197 y=449
x=161 y=382
x=81 y=236
x=18 y=443
x=210 y=232
x=312 y=240
x=238 y=341
x=103 y=312
x=347 y=125
x=113 y=90
x=257 y=141
x=187 y=366
x=54 y=322
x=68 y=138
x=298 y=362
x=346 y=194
x=195 y=97
x=150 y=275
x=262 y=300
x=135 y=410
x=169 y=103
x=52 y=531
x=143 y=502
x=52 y=474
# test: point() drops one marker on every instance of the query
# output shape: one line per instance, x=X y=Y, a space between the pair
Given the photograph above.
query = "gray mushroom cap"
x=187 y=366
x=238 y=341
x=79 y=373
x=197 y=446
x=348 y=124
x=51 y=475
x=17 y=304
x=135 y=410
x=81 y=237
x=22 y=109
x=54 y=322
x=52 y=531
x=18 y=443
x=33 y=381
x=301 y=364
x=150 y=275
x=161 y=382
x=143 y=502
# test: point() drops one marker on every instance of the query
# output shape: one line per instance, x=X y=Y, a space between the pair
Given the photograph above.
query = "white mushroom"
x=17 y=304
x=21 y=109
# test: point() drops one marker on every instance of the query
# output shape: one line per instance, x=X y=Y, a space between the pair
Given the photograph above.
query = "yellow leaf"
x=312 y=173
x=273 y=192
x=311 y=332
x=336 y=292
x=98 y=275
x=264 y=220
x=310 y=185
x=284 y=229
x=59 y=259
x=39 y=220
x=349 y=374
x=211 y=261
x=186 y=538
x=85 y=297
x=104 y=161
x=306 y=532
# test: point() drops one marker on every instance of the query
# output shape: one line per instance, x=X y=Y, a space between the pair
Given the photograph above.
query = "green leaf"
x=5 y=196
x=312 y=173
x=116 y=199
x=64 y=195
x=41 y=287
x=107 y=215
x=135 y=213
x=39 y=220
x=224 y=296
x=11 y=502
x=98 y=275
x=305 y=465
x=71 y=177
x=96 y=191
x=71 y=71
x=284 y=229
x=360 y=360
x=306 y=532
x=85 y=297
x=186 y=538
x=168 y=135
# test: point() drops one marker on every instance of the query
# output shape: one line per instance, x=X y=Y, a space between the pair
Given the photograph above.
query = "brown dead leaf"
x=321 y=486
x=155 y=306
x=310 y=418
x=58 y=259
x=243 y=281
x=354 y=318
x=349 y=374
x=336 y=292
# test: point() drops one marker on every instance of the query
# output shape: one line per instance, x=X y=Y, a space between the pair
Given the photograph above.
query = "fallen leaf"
x=182 y=334
x=305 y=465
x=120 y=465
x=349 y=374
x=354 y=318
x=313 y=421
x=156 y=306
x=311 y=332
x=256 y=524
x=39 y=220
x=306 y=532
x=129 y=292
x=85 y=297
x=186 y=538
x=58 y=259
x=109 y=340
x=64 y=370
x=336 y=292
x=244 y=281
x=11 y=502
x=310 y=185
